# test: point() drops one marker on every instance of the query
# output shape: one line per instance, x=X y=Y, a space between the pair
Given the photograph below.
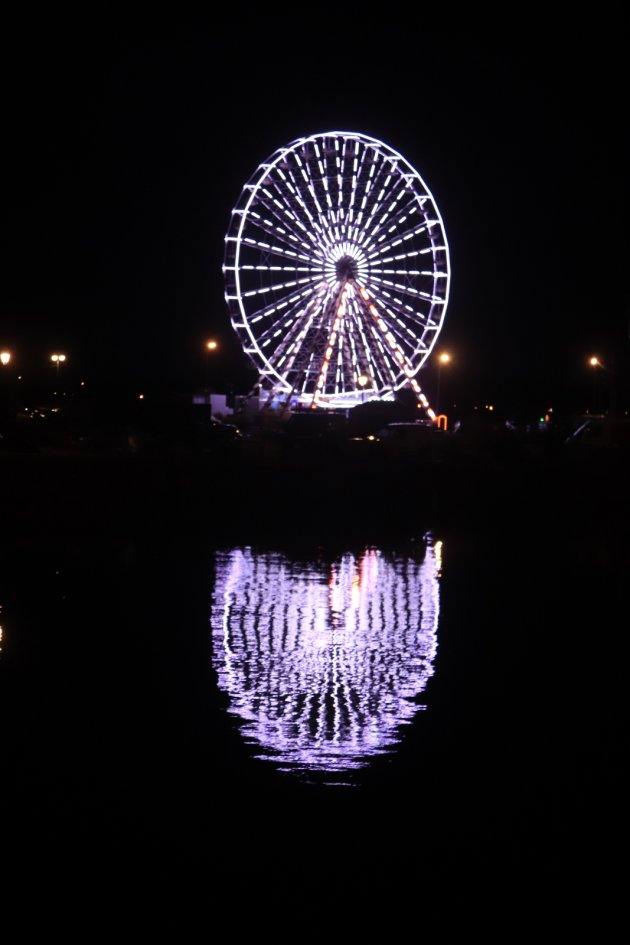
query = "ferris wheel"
x=337 y=271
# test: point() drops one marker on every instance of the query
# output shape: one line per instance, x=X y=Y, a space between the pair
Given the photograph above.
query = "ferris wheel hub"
x=344 y=261
x=346 y=268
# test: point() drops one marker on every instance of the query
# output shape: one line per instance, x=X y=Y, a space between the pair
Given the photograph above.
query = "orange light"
x=211 y=345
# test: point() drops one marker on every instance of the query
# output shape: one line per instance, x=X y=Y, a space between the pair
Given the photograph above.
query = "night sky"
x=127 y=148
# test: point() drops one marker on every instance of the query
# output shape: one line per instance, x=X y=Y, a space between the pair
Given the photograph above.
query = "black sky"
x=127 y=148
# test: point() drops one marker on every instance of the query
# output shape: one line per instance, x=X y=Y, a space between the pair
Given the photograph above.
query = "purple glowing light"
x=323 y=665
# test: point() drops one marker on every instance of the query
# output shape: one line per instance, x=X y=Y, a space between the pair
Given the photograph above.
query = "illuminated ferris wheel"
x=337 y=271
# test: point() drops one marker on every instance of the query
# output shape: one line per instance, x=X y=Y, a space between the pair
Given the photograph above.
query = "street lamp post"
x=5 y=357
x=57 y=360
x=595 y=363
x=209 y=346
x=443 y=358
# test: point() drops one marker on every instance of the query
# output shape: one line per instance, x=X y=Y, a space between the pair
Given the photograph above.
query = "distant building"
x=225 y=405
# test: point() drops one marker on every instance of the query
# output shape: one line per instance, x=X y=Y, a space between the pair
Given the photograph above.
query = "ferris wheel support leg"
x=422 y=400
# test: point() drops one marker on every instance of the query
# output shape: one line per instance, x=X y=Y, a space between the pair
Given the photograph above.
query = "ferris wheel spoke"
x=339 y=173
x=302 y=168
x=297 y=182
x=379 y=190
x=321 y=163
x=384 y=355
x=278 y=306
x=391 y=332
x=397 y=331
x=388 y=241
x=288 y=181
x=296 y=209
x=296 y=325
x=369 y=358
x=358 y=163
x=409 y=273
x=397 y=241
x=409 y=220
x=408 y=290
x=346 y=174
x=398 y=354
x=377 y=196
x=327 y=234
x=299 y=343
x=291 y=247
x=338 y=306
x=347 y=366
x=354 y=182
x=286 y=219
x=414 y=254
x=281 y=286
x=283 y=322
x=311 y=344
x=404 y=318
x=267 y=268
x=386 y=206
x=390 y=227
x=353 y=364
x=256 y=222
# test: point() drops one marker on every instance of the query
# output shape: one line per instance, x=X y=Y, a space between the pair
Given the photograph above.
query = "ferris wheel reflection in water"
x=323 y=663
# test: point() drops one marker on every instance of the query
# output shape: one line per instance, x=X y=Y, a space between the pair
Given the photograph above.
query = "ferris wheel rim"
x=419 y=190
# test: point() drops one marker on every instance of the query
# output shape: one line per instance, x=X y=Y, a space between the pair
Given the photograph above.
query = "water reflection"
x=323 y=661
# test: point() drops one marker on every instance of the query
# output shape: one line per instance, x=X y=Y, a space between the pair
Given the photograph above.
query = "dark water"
x=420 y=726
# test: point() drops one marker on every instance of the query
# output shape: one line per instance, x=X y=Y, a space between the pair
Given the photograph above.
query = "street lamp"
x=362 y=380
x=5 y=357
x=57 y=359
x=595 y=363
x=210 y=345
x=443 y=358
